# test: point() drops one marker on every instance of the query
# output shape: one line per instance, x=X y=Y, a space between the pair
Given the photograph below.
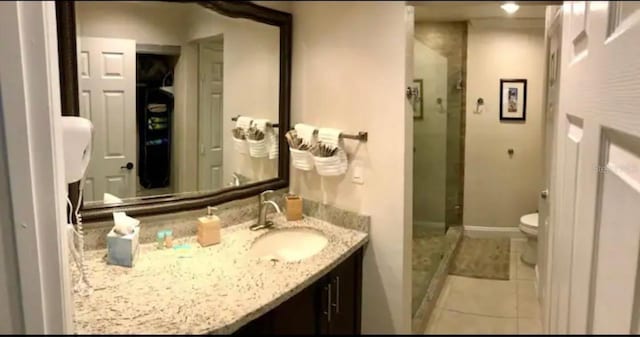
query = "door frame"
x=31 y=115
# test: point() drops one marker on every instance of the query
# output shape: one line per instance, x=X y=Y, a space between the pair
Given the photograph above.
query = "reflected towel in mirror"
x=244 y=122
x=271 y=136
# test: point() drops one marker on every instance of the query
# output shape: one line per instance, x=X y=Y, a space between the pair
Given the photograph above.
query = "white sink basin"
x=289 y=244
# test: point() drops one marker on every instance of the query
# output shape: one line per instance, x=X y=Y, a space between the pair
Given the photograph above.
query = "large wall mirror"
x=189 y=101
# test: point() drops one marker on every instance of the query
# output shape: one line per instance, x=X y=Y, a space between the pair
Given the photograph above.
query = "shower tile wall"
x=450 y=39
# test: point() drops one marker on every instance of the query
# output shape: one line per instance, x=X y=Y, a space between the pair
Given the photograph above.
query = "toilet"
x=529 y=226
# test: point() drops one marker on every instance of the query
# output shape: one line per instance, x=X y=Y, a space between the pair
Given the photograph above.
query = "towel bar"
x=273 y=125
x=362 y=136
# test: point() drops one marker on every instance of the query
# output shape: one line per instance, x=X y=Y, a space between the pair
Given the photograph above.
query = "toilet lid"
x=530 y=220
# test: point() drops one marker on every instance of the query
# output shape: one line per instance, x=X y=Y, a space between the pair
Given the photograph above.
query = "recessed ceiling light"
x=510 y=7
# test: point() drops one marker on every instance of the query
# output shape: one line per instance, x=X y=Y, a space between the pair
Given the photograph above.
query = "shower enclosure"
x=439 y=118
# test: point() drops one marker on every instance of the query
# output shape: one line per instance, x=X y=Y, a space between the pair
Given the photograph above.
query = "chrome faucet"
x=262 y=211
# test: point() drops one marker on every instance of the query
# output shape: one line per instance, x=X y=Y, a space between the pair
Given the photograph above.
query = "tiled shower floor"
x=428 y=250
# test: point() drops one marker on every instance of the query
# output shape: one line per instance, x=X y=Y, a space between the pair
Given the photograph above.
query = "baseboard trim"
x=486 y=231
x=429 y=224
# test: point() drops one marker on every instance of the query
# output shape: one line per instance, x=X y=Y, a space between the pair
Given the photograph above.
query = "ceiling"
x=466 y=10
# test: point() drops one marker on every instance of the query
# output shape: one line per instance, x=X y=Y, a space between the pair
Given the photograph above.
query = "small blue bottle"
x=160 y=239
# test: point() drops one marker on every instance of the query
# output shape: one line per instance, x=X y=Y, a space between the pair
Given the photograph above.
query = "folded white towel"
x=272 y=137
x=244 y=122
x=305 y=132
x=261 y=124
x=329 y=136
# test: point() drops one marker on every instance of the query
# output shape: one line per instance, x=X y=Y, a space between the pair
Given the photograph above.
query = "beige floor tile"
x=513 y=264
x=431 y=323
x=529 y=326
x=528 y=306
x=451 y=322
x=482 y=297
x=518 y=244
x=525 y=272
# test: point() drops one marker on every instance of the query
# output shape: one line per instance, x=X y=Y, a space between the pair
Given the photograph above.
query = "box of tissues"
x=122 y=241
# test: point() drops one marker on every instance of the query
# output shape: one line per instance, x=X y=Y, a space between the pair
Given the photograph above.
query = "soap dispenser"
x=209 y=228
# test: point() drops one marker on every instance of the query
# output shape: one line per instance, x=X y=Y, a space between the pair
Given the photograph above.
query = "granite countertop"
x=215 y=289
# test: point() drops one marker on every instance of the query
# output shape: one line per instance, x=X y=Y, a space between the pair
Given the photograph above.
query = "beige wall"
x=500 y=189
x=145 y=22
x=351 y=62
x=251 y=73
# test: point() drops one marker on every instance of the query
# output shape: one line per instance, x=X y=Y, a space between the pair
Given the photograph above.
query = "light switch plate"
x=358 y=173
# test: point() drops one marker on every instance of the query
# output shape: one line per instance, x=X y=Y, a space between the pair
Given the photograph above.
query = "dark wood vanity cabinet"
x=329 y=306
x=341 y=294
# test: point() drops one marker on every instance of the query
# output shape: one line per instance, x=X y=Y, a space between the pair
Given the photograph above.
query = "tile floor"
x=479 y=306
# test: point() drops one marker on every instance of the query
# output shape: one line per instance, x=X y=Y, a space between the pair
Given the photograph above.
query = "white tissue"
x=108 y=198
x=124 y=224
x=244 y=122
x=305 y=132
x=329 y=136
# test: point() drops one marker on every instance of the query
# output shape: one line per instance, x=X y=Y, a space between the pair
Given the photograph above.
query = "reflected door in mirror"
x=161 y=82
x=107 y=98
x=210 y=64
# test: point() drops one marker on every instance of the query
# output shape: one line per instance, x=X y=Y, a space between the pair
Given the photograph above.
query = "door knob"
x=544 y=194
x=409 y=93
x=129 y=166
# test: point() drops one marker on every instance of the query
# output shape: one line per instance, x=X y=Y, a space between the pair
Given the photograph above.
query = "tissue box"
x=122 y=250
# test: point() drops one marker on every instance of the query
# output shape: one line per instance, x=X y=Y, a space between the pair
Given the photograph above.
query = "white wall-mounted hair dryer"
x=76 y=135
x=76 y=138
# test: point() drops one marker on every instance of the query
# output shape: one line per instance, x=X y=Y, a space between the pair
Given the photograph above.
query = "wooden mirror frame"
x=66 y=29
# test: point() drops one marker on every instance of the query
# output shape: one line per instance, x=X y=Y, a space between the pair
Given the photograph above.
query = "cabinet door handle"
x=328 y=312
x=336 y=303
x=329 y=303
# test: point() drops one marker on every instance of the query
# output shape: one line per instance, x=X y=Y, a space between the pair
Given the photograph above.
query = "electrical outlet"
x=357 y=173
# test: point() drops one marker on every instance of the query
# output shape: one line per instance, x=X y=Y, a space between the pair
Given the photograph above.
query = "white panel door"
x=210 y=115
x=553 y=44
x=595 y=273
x=107 y=89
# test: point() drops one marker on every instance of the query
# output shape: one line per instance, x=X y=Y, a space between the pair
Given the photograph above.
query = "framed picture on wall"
x=513 y=99
x=416 y=99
